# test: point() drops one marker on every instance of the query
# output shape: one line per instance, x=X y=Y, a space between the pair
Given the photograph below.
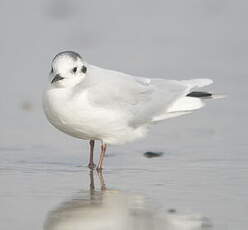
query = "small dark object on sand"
x=153 y=154
x=172 y=210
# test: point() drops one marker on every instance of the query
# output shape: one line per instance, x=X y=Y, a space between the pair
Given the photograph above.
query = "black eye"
x=52 y=70
x=84 y=69
x=74 y=70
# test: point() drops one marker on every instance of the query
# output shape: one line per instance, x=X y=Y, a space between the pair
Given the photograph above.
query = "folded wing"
x=142 y=100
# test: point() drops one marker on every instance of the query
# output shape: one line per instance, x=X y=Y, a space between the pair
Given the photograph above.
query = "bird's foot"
x=99 y=168
x=91 y=165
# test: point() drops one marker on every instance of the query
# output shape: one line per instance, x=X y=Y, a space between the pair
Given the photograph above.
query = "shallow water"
x=188 y=189
x=199 y=178
x=58 y=195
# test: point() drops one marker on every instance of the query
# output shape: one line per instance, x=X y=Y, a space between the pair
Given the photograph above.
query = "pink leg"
x=103 y=151
x=91 y=164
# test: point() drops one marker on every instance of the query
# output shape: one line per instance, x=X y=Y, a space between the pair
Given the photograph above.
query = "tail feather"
x=190 y=101
x=186 y=104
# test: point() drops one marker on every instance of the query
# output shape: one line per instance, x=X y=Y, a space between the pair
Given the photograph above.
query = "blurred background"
x=167 y=39
x=204 y=166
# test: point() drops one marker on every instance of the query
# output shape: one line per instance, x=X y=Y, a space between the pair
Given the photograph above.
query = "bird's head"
x=67 y=69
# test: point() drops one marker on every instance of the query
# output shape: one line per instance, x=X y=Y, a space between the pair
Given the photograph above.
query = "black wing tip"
x=199 y=94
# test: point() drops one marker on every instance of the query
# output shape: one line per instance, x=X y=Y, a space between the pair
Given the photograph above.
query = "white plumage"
x=93 y=103
x=115 y=107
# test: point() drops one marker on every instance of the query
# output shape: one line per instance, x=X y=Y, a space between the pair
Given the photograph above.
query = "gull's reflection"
x=114 y=210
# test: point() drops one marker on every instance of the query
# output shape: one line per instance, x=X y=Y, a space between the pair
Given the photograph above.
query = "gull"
x=97 y=104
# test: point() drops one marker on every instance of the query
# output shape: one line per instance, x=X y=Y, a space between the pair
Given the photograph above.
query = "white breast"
x=76 y=116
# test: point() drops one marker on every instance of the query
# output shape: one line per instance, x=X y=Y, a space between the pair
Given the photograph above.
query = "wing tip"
x=199 y=94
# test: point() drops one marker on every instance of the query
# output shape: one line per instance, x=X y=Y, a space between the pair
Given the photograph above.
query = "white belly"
x=77 y=117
